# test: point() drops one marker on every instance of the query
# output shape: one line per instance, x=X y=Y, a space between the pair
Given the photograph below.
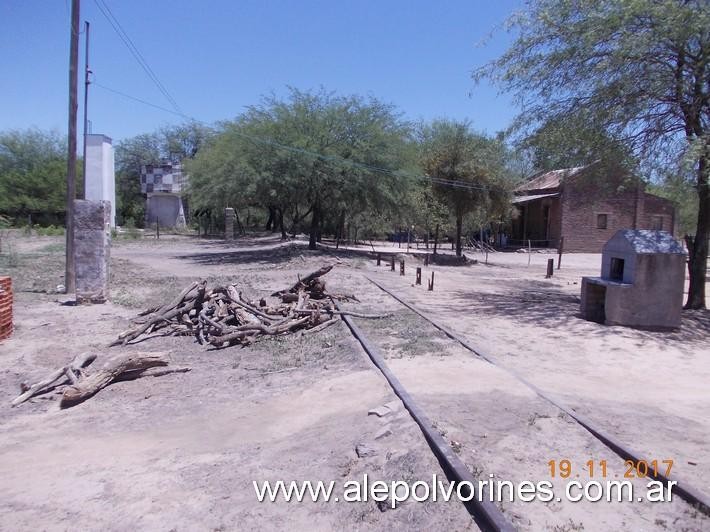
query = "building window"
x=602 y=220
x=658 y=223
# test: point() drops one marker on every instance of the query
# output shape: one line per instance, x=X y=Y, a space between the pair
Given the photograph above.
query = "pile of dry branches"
x=222 y=316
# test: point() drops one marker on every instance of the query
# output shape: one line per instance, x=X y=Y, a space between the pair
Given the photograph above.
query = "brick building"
x=586 y=206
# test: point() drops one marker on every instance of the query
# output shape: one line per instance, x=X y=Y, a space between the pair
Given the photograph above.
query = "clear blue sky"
x=217 y=56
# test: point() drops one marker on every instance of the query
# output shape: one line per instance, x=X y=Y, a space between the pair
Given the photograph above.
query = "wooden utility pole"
x=87 y=72
x=69 y=277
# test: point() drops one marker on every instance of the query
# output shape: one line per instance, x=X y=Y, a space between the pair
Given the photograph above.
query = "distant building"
x=164 y=185
x=100 y=175
x=586 y=206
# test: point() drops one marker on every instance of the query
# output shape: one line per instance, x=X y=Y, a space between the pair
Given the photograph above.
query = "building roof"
x=643 y=241
x=524 y=199
x=548 y=180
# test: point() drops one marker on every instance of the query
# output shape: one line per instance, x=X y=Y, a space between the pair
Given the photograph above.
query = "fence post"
x=431 y=283
x=379 y=257
x=559 y=252
x=392 y=263
x=419 y=276
x=401 y=267
x=550 y=268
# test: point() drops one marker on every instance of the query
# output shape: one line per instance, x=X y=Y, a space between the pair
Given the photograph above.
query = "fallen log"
x=113 y=368
x=71 y=372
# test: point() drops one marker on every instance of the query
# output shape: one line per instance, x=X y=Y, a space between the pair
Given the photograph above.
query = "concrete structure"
x=641 y=283
x=229 y=223
x=100 y=173
x=92 y=250
x=586 y=206
x=164 y=185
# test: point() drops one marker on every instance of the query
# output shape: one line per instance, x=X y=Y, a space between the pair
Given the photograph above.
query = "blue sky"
x=217 y=56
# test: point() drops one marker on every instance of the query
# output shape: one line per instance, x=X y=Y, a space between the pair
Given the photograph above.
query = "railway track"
x=486 y=514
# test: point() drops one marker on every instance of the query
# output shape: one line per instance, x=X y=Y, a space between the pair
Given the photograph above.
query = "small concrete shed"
x=641 y=283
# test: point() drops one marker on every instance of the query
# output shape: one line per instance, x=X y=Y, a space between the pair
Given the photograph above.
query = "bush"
x=50 y=230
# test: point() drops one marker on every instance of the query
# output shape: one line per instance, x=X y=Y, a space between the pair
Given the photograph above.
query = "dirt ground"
x=180 y=452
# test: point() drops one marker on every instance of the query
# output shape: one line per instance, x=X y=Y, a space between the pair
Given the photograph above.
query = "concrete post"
x=92 y=250
x=229 y=223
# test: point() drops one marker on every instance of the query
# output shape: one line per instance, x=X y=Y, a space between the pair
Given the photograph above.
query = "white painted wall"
x=100 y=172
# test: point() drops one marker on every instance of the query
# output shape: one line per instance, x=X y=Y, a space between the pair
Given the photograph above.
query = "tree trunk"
x=315 y=222
x=459 y=225
x=280 y=219
x=270 y=221
x=436 y=238
x=698 y=251
x=240 y=227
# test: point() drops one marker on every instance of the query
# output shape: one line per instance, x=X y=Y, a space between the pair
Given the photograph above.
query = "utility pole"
x=87 y=72
x=69 y=277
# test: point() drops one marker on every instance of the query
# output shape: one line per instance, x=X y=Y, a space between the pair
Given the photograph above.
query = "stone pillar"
x=92 y=250
x=228 y=223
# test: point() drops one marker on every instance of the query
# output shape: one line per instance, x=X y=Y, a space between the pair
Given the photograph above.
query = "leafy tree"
x=33 y=173
x=575 y=141
x=639 y=67
x=312 y=154
x=467 y=169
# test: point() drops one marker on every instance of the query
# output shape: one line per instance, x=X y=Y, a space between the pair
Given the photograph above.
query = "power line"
x=333 y=158
x=116 y=25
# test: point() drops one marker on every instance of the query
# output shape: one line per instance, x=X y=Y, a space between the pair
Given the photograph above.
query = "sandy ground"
x=179 y=452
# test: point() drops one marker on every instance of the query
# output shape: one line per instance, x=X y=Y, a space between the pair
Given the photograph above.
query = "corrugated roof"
x=548 y=180
x=525 y=199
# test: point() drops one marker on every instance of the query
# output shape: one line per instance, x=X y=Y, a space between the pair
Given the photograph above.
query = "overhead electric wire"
x=138 y=56
x=333 y=158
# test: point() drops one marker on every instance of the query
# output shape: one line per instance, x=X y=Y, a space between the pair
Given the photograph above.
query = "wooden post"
x=426 y=259
x=529 y=251
x=559 y=252
x=401 y=267
x=431 y=283
x=157 y=228
x=419 y=276
x=379 y=258
x=550 y=268
x=392 y=263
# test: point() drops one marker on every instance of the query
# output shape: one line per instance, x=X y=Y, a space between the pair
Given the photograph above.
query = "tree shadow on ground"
x=270 y=256
x=552 y=309
x=245 y=241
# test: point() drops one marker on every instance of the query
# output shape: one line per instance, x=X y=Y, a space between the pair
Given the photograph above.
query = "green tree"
x=467 y=169
x=641 y=68
x=575 y=141
x=311 y=154
x=33 y=174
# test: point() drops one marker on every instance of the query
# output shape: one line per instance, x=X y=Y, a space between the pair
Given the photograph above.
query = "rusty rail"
x=686 y=492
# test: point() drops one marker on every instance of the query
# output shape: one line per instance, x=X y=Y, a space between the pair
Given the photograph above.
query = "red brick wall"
x=5 y=307
x=581 y=202
x=658 y=210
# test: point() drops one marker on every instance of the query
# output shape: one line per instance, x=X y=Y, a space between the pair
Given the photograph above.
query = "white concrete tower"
x=100 y=172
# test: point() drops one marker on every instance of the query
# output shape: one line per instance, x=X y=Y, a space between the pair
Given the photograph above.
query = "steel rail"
x=688 y=493
x=485 y=513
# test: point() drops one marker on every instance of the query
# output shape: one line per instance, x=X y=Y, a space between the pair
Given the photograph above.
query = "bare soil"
x=180 y=452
